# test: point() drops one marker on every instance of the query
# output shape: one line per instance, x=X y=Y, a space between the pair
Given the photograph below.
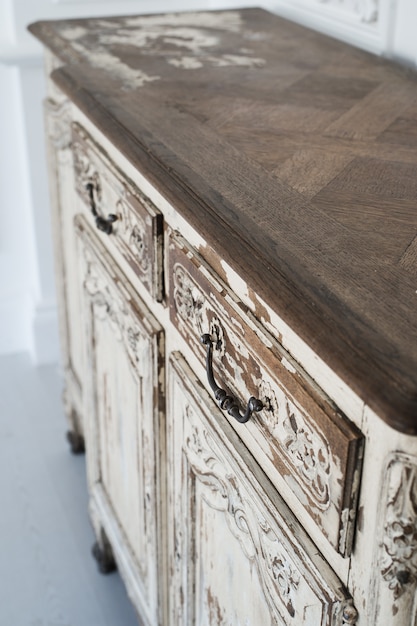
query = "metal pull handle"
x=105 y=224
x=226 y=402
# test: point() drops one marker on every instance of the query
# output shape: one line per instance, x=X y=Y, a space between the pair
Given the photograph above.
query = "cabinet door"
x=124 y=429
x=237 y=555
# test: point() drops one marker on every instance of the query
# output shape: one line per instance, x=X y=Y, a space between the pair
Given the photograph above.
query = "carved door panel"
x=124 y=433
x=237 y=555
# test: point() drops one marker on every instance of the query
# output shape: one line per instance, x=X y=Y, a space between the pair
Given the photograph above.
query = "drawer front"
x=137 y=232
x=237 y=555
x=298 y=437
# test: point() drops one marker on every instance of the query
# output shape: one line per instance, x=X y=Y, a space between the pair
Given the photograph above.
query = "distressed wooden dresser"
x=235 y=211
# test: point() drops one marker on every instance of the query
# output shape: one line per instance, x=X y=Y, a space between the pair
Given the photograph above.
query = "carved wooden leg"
x=103 y=554
x=76 y=442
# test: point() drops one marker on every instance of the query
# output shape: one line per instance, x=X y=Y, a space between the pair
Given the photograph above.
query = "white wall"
x=27 y=301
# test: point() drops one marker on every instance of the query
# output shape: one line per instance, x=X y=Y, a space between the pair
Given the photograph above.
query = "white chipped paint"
x=238 y=371
x=237 y=283
x=165 y=40
x=289 y=366
x=230 y=21
x=166 y=36
x=239 y=347
x=106 y=24
x=333 y=386
x=193 y=40
x=186 y=63
x=233 y=59
x=102 y=59
x=73 y=33
x=254 y=36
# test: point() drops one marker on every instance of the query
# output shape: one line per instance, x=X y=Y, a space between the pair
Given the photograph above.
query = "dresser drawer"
x=298 y=437
x=132 y=226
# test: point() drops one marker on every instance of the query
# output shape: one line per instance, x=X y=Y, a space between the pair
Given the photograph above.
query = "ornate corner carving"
x=133 y=231
x=109 y=305
x=398 y=560
x=189 y=300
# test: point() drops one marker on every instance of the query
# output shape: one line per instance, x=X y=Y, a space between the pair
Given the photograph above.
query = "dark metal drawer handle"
x=105 y=224
x=226 y=402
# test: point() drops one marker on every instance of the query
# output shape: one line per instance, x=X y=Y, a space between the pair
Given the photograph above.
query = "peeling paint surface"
x=186 y=42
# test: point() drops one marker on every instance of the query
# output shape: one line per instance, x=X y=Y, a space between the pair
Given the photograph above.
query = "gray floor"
x=47 y=576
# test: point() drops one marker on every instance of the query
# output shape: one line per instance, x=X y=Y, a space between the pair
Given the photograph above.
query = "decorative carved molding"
x=132 y=230
x=399 y=543
x=109 y=305
x=137 y=242
x=308 y=452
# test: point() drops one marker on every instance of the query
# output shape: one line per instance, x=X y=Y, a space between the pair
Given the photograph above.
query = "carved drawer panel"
x=132 y=226
x=298 y=437
x=237 y=555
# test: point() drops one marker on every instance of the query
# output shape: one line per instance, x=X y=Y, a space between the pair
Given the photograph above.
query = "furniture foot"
x=103 y=554
x=76 y=442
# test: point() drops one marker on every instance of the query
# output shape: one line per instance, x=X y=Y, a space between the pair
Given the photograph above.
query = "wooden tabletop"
x=294 y=154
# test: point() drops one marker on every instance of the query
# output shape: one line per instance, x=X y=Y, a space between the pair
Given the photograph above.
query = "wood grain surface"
x=294 y=154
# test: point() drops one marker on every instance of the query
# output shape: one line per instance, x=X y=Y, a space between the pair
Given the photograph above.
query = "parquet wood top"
x=294 y=154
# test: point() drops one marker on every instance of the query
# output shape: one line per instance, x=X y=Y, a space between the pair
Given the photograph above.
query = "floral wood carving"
x=399 y=545
x=307 y=450
x=189 y=301
x=132 y=230
x=137 y=241
x=108 y=305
